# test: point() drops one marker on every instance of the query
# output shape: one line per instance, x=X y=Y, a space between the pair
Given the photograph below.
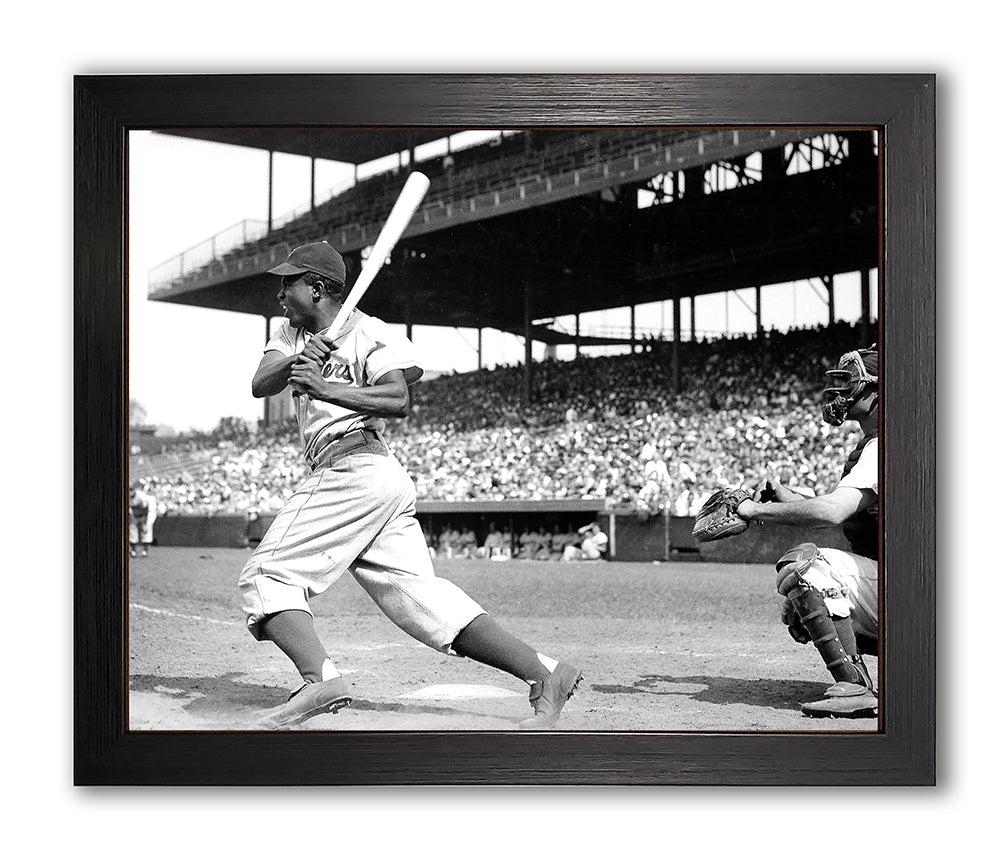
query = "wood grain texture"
x=106 y=108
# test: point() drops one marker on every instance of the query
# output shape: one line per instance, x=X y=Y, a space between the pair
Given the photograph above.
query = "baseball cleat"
x=844 y=701
x=550 y=695
x=310 y=699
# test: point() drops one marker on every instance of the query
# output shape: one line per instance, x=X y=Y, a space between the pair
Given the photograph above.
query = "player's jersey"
x=861 y=472
x=365 y=351
x=140 y=506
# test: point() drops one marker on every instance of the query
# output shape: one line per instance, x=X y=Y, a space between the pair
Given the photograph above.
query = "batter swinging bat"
x=410 y=196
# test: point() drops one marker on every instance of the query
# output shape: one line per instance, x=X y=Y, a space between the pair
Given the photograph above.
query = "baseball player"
x=593 y=544
x=142 y=516
x=831 y=595
x=355 y=512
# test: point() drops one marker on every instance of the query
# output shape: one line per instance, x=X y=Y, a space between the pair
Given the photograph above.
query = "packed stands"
x=748 y=408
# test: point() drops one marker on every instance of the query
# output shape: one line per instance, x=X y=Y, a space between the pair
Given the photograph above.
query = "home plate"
x=460 y=692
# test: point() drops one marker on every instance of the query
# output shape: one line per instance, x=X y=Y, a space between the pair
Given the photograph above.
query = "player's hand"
x=318 y=349
x=772 y=490
x=764 y=492
x=306 y=378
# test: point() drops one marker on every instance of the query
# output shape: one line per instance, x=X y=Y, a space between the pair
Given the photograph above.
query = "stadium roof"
x=354 y=146
x=548 y=225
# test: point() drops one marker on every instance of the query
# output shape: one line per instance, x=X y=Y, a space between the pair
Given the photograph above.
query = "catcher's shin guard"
x=808 y=603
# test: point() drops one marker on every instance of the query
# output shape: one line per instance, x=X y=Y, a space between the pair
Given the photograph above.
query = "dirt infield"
x=664 y=647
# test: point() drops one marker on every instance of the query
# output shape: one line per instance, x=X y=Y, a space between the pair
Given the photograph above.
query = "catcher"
x=831 y=596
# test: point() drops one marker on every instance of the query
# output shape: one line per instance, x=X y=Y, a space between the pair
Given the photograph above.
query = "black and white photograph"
x=539 y=429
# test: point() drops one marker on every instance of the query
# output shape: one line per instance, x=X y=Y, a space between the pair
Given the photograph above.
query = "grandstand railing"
x=582 y=163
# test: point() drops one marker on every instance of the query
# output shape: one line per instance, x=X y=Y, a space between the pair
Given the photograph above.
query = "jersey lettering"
x=338 y=371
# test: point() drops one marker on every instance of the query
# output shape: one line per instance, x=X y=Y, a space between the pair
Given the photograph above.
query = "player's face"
x=295 y=296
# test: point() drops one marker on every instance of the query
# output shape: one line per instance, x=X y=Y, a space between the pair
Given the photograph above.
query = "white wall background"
x=50 y=821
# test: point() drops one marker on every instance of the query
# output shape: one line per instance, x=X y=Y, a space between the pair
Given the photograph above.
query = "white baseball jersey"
x=365 y=351
x=861 y=471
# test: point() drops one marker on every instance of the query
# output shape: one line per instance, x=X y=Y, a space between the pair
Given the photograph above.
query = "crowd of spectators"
x=609 y=427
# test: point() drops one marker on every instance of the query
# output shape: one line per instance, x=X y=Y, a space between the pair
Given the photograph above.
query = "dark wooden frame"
x=901 y=107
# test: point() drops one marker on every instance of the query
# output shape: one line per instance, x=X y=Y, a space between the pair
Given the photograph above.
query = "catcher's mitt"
x=718 y=518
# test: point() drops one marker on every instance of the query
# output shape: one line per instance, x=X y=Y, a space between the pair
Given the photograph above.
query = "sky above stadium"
x=189 y=366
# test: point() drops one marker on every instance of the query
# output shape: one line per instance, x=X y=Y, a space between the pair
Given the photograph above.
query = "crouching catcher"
x=831 y=595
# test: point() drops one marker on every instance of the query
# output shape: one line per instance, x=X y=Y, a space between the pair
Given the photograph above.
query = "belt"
x=365 y=439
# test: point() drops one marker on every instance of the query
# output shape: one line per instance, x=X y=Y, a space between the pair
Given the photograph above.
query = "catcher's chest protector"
x=861 y=529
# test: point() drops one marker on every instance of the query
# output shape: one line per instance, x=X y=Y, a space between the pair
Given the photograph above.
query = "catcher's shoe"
x=310 y=699
x=550 y=695
x=844 y=701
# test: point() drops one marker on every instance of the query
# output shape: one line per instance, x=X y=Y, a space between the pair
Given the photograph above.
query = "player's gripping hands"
x=306 y=377
x=318 y=349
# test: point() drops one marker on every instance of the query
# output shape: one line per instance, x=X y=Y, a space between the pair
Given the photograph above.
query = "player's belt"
x=367 y=440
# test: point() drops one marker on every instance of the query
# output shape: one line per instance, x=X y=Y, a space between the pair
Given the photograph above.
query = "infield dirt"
x=664 y=647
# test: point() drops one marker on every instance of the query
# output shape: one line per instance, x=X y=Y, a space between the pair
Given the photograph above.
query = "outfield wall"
x=631 y=537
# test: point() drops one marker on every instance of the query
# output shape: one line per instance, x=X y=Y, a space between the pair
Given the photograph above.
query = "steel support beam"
x=527 y=340
x=676 y=347
x=866 y=304
x=267 y=400
x=831 y=307
x=270 y=190
x=312 y=184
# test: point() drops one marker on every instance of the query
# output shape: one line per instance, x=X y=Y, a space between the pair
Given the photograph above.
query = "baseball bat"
x=410 y=196
x=409 y=199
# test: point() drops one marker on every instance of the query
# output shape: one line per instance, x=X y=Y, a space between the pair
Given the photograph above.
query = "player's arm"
x=388 y=397
x=830 y=509
x=272 y=375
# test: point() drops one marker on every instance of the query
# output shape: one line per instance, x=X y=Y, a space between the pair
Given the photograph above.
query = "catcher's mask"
x=850 y=381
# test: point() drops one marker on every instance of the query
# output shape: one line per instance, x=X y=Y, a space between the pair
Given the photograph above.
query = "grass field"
x=664 y=647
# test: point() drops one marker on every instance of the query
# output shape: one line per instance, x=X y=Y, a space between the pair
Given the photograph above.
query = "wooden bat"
x=410 y=196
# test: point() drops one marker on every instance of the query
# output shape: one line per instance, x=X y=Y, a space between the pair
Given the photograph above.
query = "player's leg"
x=322 y=528
x=397 y=573
x=133 y=538
x=323 y=688
x=823 y=606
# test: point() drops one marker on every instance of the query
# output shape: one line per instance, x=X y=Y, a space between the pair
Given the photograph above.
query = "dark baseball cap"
x=318 y=257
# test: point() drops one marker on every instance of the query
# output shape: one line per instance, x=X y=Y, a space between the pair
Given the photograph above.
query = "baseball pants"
x=357 y=515
x=140 y=533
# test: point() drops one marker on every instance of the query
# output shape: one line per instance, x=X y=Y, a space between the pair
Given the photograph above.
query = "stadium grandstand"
x=523 y=234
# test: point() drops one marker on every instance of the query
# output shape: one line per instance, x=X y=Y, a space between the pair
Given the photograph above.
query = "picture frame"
x=106 y=752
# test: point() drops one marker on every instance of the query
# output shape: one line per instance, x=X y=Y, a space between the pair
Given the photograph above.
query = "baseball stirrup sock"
x=294 y=634
x=483 y=640
x=816 y=620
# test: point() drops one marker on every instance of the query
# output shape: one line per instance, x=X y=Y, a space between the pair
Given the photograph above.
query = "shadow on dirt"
x=777 y=694
x=226 y=697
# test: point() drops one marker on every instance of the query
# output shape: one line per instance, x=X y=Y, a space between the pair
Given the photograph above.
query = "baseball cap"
x=318 y=257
